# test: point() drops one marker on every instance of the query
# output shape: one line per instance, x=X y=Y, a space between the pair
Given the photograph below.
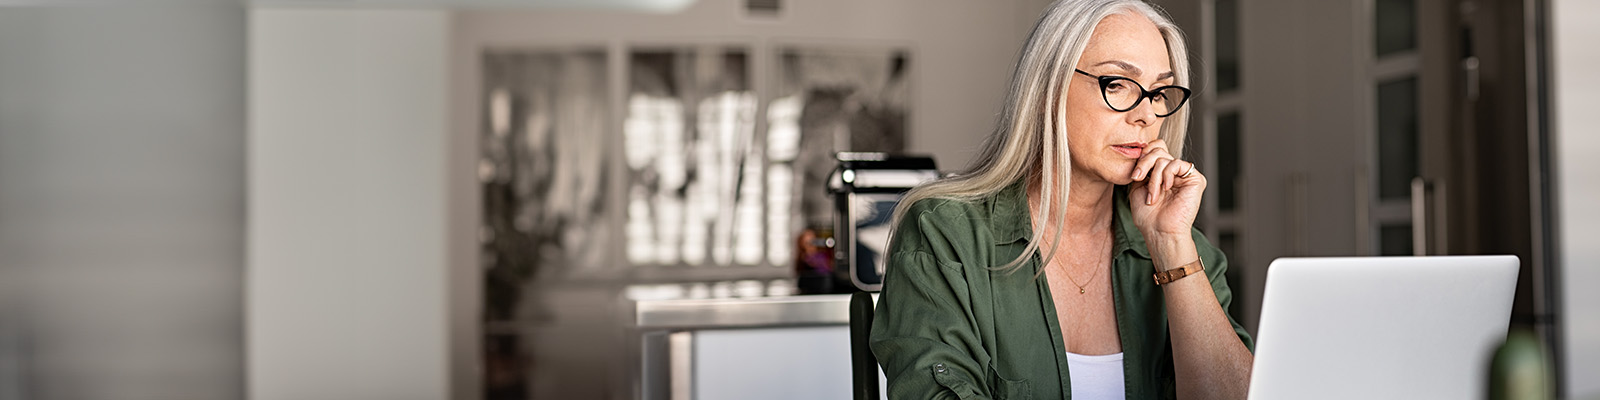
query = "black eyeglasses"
x=1123 y=94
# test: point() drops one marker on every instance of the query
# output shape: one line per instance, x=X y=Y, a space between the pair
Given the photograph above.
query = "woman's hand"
x=1164 y=201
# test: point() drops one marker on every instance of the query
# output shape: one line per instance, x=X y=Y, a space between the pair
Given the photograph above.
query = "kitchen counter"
x=783 y=347
x=828 y=309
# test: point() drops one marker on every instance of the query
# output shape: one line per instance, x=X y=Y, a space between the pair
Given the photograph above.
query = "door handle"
x=1427 y=211
x=1419 y=216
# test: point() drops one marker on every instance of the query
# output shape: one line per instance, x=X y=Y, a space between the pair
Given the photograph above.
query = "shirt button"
x=939 y=368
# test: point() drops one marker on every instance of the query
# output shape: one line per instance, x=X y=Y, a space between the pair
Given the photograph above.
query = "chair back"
x=863 y=366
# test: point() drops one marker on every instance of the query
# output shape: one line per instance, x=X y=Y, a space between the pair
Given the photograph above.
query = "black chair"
x=863 y=366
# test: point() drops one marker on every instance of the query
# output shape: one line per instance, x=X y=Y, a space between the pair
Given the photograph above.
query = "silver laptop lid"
x=1381 y=327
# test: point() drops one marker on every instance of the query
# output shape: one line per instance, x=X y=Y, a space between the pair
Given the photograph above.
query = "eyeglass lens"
x=1123 y=94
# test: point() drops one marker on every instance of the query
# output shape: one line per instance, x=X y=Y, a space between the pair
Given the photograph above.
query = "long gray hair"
x=1029 y=140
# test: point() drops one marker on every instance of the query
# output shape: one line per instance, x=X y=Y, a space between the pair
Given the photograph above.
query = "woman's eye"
x=1158 y=97
x=1116 y=86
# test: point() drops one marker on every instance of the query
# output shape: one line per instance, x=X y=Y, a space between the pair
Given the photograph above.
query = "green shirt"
x=949 y=326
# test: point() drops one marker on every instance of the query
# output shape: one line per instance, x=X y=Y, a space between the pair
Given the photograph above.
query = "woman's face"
x=1105 y=143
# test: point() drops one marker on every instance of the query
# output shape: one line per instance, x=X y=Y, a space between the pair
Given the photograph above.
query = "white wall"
x=1576 y=142
x=122 y=201
x=347 y=247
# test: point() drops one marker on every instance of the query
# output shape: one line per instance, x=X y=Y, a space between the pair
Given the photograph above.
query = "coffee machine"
x=866 y=188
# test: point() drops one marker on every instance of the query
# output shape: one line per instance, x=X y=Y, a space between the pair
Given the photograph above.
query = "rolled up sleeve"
x=924 y=333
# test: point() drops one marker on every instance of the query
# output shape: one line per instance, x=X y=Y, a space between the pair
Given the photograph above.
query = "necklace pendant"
x=1080 y=291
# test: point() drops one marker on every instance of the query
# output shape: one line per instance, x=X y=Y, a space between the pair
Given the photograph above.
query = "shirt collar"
x=1012 y=221
x=1009 y=209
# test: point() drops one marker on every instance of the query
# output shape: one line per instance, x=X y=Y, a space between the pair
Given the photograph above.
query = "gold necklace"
x=1067 y=271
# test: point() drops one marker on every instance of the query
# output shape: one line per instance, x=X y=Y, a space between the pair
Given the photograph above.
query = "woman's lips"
x=1130 y=150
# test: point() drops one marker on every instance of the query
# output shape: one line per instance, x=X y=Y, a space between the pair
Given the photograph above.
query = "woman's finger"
x=1154 y=145
x=1158 y=176
x=1147 y=164
x=1175 y=170
x=1155 y=150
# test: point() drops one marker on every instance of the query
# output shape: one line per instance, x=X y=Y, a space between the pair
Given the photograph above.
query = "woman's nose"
x=1142 y=114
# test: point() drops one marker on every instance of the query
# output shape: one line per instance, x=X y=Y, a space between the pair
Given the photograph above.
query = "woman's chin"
x=1119 y=179
x=1107 y=175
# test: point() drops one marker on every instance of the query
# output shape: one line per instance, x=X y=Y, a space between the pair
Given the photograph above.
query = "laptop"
x=1381 y=327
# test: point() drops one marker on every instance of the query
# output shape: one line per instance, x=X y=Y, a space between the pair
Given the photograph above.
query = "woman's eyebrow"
x=1129 y=68
x=1132 y=70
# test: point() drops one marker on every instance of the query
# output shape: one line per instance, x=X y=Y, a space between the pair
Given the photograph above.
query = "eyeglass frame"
x=1105 y=80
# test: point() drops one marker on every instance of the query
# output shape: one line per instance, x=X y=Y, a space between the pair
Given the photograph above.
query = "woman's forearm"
x=1210 y=360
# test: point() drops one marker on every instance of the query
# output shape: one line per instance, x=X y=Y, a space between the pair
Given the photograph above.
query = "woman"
x=1065 y=260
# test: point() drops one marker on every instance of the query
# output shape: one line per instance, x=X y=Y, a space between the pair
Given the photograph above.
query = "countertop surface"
x=826 y=309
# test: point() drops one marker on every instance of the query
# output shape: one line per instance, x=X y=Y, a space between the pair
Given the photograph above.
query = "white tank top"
x=1096 y=377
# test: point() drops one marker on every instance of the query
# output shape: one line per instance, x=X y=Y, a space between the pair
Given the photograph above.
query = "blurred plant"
x=1520 y=370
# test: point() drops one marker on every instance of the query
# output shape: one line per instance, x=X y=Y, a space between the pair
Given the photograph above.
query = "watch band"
x=1165 y=277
